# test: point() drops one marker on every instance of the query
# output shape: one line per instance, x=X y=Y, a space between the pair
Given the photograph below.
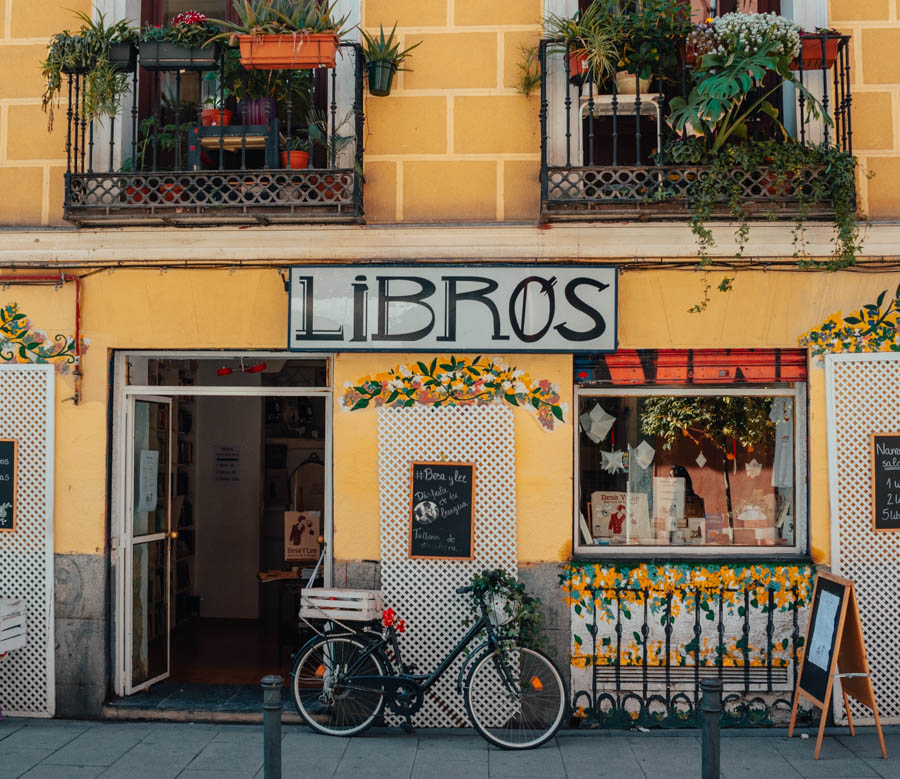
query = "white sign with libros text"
x=437 y=308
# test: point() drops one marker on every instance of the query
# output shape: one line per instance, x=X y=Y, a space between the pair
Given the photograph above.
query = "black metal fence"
x=603 y=153
x=165 y=160
x=751 y=643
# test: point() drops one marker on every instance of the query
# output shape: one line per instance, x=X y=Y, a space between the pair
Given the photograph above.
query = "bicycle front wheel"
x=516 y=698
x=322 y=698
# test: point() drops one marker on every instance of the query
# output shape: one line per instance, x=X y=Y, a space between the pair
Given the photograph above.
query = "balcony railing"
x=603 y=156
x=158 y=163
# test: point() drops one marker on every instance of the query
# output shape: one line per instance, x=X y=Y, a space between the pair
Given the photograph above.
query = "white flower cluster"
x=747 y=32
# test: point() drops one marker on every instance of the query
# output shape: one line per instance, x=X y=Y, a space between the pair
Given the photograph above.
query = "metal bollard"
x=711 y=708
x=271 y=726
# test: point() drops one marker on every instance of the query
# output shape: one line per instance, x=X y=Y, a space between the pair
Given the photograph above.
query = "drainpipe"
x=61 y=278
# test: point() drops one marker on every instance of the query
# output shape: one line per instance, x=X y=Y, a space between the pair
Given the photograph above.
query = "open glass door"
x=150 y=478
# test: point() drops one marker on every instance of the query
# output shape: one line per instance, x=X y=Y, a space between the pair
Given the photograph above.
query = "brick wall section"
x=454 y=141
x=875 y=27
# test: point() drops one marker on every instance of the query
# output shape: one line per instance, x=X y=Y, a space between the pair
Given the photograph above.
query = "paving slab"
x=803 y=748
x=181 y=732
x=155 y=761
x=836 y=767
x=16 y=761
x=10 y=726
x=544 y=761
x=374 y=754
x=46 y=771
x=581 y=756
x=441 y=755
x=44 y=735
x=100 y=745
x=230 y=756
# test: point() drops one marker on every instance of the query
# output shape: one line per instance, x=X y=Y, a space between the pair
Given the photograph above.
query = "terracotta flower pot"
x=213 y=117
x=579 y=65
x=811 y=51
x=298 y=51
x=295 y=160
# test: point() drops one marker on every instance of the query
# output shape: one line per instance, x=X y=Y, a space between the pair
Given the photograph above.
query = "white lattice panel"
x=864 y=398
x=26 y=555
x=423 y=591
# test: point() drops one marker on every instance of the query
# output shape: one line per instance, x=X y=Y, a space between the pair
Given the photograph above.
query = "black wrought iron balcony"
x=608 y=153
x=293 y=155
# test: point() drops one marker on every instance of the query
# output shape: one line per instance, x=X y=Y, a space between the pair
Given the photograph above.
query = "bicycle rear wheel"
x=516 y=698
x=324 y=703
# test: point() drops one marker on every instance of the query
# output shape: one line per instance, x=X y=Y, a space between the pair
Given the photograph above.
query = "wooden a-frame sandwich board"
x=835 y=648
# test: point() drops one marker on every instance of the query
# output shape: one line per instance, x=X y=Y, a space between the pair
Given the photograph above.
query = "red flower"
x=401 y=626
x=387 y=617
x=189 y=17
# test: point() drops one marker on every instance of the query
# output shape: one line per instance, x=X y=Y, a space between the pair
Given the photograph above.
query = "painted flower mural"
x=21 y=343
x=457 y=381
x=641 y=633
x=874 y=328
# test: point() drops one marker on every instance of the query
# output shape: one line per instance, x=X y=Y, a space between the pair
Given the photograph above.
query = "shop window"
x=691 y=469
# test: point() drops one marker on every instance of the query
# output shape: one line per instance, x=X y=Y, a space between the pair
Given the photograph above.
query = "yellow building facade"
x=152 y=327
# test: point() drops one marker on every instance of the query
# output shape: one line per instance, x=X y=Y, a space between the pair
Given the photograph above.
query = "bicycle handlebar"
x=464 y=590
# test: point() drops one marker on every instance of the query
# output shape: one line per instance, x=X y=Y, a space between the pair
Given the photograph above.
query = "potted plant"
x=383 y=59
x=648 y=34
x=184 y=44
x=285 y=34
x=818 y=50
x=294 y=152
x=216 y=114
x=588 y=43
x=84 y=53
x=330 y=185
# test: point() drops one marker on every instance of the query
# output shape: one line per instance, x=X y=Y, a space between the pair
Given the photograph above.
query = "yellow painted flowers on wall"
x=457 y=381
x=669 y=614
x=21 y=343
x=874 y=328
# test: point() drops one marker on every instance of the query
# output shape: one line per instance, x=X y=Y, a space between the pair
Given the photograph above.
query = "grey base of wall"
x=81 y=632
x=540 y=579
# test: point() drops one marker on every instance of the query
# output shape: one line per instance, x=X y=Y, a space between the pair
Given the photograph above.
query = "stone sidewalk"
x=67 y=749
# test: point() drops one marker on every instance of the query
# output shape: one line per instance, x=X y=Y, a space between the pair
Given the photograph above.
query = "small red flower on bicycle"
x=400 y=626
x=387 y=617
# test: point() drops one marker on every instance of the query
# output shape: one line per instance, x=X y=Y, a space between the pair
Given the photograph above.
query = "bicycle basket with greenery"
x=512 y=609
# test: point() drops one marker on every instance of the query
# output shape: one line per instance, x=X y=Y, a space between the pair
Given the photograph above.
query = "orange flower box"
x=811 y=51
x=300 y=51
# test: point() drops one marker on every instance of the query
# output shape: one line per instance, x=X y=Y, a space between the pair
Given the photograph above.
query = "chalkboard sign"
x=886 y=481
x=834 y=649
x=7 y=485
x=441 y=510
x=822 y=636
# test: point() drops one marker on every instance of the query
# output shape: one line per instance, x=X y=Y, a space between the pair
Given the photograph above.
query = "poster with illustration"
x=301 y=533
x=620 y=516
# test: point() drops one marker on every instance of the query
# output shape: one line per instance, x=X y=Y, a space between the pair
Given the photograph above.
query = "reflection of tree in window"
x=721 y=420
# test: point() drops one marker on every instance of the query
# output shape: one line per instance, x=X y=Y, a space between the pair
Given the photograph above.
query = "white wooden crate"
x=12 y=624
x=351 y=605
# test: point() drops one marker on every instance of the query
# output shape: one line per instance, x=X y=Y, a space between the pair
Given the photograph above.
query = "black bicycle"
x=343 y=678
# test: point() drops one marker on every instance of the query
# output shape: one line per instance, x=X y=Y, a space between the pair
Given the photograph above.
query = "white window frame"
x=801 y=477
